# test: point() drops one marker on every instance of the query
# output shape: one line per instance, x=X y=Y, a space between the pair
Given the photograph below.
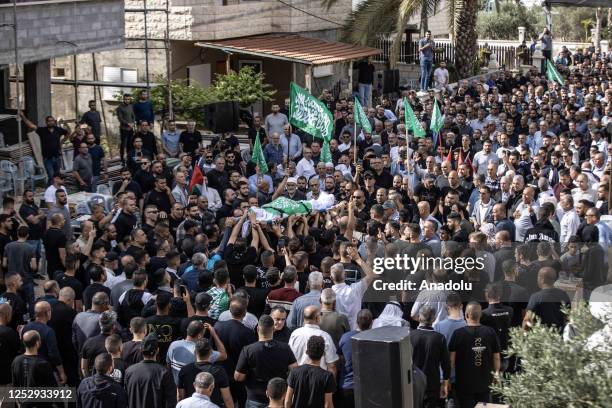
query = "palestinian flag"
x=197 y=179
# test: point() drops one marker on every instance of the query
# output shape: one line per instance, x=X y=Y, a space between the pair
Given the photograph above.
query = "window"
x=58 y=73
x=117 y=74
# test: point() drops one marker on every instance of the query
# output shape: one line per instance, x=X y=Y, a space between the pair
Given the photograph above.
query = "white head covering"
x=391 y=316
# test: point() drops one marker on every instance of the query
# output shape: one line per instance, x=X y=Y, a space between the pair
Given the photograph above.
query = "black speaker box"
x=382 y=364
x=391 y=81
x=222 y=117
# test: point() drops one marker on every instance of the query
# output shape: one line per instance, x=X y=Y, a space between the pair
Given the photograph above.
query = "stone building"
x=47 y=30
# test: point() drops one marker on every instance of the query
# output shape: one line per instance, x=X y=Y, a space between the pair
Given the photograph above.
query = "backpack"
x=131 y=306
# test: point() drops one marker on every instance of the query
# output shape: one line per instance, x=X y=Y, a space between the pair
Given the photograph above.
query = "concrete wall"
x=201 y=20
x=93 y=25
x=438 y=23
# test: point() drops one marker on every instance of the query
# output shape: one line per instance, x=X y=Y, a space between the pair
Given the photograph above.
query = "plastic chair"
x=103 y=189
x=33 y=171
x=6 y=184
x=96 y=199
x=82 y=208
x=9 y=172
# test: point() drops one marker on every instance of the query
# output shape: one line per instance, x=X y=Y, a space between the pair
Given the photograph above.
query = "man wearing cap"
x=148 y=383
x=288 y=188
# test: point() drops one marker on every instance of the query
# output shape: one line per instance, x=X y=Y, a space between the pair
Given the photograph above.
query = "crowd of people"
x=181 y=296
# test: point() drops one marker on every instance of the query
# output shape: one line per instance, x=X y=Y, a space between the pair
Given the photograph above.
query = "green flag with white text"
x=436 y=119
x=361 y=118
x=310 y=114
x=552 y=74
x=258 y=155
x=412 y=123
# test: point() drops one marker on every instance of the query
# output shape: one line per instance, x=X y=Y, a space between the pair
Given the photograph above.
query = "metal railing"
x=409 y=52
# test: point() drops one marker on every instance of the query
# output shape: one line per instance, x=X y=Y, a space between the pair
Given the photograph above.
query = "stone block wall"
x=202 y=20
x=93 y=25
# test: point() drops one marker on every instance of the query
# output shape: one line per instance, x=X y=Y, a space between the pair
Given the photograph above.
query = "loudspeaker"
x=382 y=368
x=222 y=117
x=391 y=79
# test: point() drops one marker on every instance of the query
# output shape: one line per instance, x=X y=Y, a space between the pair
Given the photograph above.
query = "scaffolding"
x=167 y=46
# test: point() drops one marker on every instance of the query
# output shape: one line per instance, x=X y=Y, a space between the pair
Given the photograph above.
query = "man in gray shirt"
x=426 y=46
x=82 y=168
x=61 y=198
x=276 y=121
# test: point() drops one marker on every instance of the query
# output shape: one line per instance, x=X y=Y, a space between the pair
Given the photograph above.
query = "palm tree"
x=374 y=18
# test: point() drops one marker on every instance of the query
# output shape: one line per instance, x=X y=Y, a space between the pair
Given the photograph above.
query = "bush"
x=557 y=373
x=503 y=25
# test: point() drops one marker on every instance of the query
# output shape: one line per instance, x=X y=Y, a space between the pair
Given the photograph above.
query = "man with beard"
x=149 y=143
x=33 y=217
x=160 y=196
x=144 y=176
x=288 y=188
x=126 y=220
x=127 y=184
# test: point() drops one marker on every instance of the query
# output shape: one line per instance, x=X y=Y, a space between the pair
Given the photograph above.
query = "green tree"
x=557 y=373
x=503 y=25
x=245 y=86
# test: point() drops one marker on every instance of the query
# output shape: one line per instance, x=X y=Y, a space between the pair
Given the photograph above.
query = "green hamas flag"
x=412 y=123
x=310 y=114
x=285 y=206
x=326 y=156
x=552 y=74
x=361 y=118
x=258 y=156
x=436 y=119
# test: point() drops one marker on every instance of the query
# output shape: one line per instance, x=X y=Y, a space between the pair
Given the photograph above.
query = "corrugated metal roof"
x=293 y=48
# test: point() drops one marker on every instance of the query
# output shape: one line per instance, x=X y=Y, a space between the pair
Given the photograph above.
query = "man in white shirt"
x=583 y=191
x=58 y=184
x=305 y=166
x=214 y=199
x=299 y=340
x=348 y=297
x=484 y=157
x=483 y=207
x=441 y=76
x=570 y=220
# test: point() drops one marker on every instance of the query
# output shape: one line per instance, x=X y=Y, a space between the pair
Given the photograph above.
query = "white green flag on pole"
x=361 y=118
x=258 y=155
x=552 y=74
x=412 y=123
x=310 y=114
x=436 y=123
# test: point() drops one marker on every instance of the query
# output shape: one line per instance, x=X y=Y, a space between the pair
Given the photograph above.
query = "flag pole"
x=355 y=142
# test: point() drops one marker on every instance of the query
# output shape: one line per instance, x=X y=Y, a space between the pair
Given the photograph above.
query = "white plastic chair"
x=9 y=172
x=103 y=189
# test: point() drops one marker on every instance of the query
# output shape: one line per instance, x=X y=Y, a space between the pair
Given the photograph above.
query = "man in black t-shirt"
x=30 y=369
x=12 y=297
x=202 y=304
x=203 y=351
x=474 y=354
x=167 y=328
x=68 y=278
x=55 y=241
x=190 y=139
x=497 y=316
x=51 y=139
x=10 y=344
x=260 y=362
x=310 y=386
x=96 y=345
x=546 y=304
x=126 y=220
x=235 y=336
x=365 y=79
